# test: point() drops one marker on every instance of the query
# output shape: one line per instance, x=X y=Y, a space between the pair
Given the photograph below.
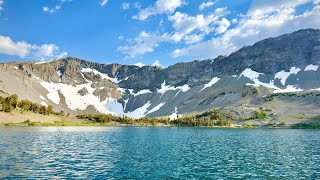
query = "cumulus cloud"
x=263 y=20
x=186 y=25
x=103 y=2
x=206 y=4
x=25 y=50
x=145 y=42
x=187 y=29
x=160 y=7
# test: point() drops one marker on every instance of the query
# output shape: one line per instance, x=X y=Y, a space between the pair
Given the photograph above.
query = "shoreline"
x=116 y=124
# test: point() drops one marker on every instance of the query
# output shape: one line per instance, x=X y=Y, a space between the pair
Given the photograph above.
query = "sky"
x=144 y=32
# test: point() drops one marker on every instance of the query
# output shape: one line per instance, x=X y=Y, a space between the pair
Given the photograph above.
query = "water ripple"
x=158 y=153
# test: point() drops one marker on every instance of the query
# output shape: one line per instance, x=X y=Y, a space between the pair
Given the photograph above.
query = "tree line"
x=10 y=103
x=208 y=118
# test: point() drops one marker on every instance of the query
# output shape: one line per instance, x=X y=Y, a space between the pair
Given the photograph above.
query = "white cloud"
x=125 y=6
x=187 y=29
x=45 y=9
x=1 y=5
x=157 y=63
x=160 y=7
x=207 y=4
x=145 y=42
x=223 y=26
x=57 y=7
x=25 y=50
x=234 y=21
x=192 y=29
x=52 y=10
x=103 y=2
x=263 y=20
x=139 y=64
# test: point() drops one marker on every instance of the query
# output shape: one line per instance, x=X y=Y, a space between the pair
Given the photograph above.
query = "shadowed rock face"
x=124 y=82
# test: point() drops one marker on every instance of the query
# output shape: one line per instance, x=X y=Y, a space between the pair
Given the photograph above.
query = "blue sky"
x=160 y=32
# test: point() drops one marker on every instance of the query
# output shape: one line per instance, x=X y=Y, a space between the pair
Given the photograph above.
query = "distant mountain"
x=237 y=83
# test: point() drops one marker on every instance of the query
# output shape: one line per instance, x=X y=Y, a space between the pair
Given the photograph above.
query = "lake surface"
x=158 y=153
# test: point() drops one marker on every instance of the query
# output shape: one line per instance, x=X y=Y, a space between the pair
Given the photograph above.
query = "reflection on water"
x=131 y=152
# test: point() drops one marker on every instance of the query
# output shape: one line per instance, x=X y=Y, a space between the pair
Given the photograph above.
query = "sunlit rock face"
x=289 y=63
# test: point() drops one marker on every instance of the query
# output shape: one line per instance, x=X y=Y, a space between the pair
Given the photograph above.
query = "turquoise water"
x=158 y=153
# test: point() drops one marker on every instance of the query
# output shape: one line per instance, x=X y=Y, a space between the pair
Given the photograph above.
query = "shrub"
x=260 y=114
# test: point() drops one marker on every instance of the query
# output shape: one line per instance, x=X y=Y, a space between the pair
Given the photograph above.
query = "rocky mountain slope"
x=237 y=83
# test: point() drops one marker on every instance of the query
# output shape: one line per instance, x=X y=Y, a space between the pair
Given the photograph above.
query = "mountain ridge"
x=288 y=63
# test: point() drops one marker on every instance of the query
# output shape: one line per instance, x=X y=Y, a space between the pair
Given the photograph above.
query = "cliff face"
x=288 y=63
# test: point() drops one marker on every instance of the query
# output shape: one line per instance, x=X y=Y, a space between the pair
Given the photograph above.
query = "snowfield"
x=283 y=75
x=164 y=88
x=211 y=83
x=76 y=101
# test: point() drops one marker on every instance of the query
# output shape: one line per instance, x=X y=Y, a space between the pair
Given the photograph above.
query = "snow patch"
x=125 y=104
x=144 y=91
x=37 y=78
x=184 y=88
x=43 y=103
x=53 y=94
x=283 y=75
x=115 y=107
x=164 y=88
x=311 y=67
x=16 y=67
x=209 y=84
x=60 y=75
x=156 y=108
x=43 y=98
x=174 y=115
x=253 y=75
x=104 y=76
x=122 y=90
x=75 y=101
x=140 y=112
x=289 y=88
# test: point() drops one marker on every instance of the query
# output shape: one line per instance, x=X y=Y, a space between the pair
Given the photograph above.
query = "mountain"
x=247 y=79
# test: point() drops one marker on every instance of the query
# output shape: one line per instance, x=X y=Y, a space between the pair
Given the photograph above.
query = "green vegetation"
x=10 y=103
x=260 y=114
x=107 y=118
x=208 y=118
x=56 y=123
x=290 y=94
x=249 y=90
x=306 y=126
